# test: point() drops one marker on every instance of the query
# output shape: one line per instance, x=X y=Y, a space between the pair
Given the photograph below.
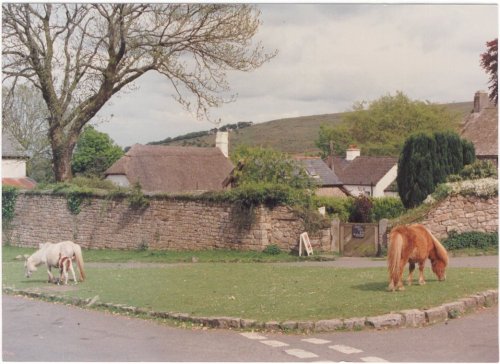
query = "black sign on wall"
x=358 y=231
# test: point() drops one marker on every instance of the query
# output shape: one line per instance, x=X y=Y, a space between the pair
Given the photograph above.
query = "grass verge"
x=257 y=291
x=162 y=256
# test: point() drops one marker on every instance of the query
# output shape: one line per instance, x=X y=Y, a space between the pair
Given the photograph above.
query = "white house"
x=365 y=175
x=14 y=158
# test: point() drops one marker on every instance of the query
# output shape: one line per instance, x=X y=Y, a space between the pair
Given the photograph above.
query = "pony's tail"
x=440 y=249
x=79 y=261
x=394 y=255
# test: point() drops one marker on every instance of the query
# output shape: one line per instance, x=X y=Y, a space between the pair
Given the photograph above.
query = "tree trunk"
x=62 y=163
x=63 y=145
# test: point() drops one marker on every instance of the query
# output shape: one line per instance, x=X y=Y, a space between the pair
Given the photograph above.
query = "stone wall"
x=166 y=224
x=461 y=214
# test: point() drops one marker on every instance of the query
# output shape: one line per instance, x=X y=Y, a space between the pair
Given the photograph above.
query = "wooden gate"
x=358 y=240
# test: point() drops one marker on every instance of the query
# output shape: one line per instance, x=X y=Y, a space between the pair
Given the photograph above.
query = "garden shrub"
x=426 y=161
x=272 y=249
x=479 y=169
x=383 y=207
x=362 y=211
x=471 y=239
x=94 y=182
x=9 y=197
x=136 y=198
x=269 y=194
x=335 y=206
x=387 y=208
x=74 y=194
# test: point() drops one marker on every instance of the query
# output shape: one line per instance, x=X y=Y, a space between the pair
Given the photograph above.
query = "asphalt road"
x=41 y=331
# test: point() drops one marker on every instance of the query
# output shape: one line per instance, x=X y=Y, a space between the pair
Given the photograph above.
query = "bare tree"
x=79 y=55
x=24 y=114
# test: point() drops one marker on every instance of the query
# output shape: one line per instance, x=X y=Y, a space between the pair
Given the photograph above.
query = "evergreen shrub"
x=427 y=160
x=9 y=197
x=471 y=239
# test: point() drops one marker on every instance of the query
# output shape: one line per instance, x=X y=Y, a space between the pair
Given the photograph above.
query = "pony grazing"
x=49 y=254
x=414 y=244
x=65 y=265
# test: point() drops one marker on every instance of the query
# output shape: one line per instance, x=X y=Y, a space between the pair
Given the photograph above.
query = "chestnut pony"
x=414 y=244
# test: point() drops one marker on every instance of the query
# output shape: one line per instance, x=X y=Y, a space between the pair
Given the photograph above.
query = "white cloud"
x=330 y=56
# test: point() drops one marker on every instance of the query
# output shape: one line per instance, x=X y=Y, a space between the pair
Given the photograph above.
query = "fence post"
x=335 y=234
x=382 y=234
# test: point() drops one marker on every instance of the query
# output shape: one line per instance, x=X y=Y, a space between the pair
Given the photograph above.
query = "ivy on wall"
x=9 y=197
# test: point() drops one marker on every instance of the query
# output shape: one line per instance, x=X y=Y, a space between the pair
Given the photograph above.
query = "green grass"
x=257 y=291
x=161 y=256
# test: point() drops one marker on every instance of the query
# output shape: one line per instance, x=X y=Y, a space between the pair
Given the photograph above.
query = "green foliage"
x=272 y=249
x=136 y=198
x=75 y=195
x=93 y=183
x=269 y=194
x=387 y=208
x=341 y=207
x=415 y=169
x=275 y=301
x=74 y=201
x=335 y=206
x=362 y=210
x=94 y=153
x=261 y=165
x=471 y=239
x=381 y=127
x=442 y=191
x=479 y=169
x=9 y=197
x=334 y=139
x=426 y=161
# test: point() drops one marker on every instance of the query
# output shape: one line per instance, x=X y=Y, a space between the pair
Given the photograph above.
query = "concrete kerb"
x=404 y=318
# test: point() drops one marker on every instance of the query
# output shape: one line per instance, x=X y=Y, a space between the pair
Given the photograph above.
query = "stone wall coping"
x=403 y=318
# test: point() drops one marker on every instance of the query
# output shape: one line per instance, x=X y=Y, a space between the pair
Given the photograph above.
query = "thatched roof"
x=481 y=128
x=363 y=170
x=11 y=148
x=167 y=169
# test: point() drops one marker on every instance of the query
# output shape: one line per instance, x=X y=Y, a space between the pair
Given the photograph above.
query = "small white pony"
x=49 y=254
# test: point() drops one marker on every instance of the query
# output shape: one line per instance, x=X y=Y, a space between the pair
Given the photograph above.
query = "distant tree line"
x=381 y=126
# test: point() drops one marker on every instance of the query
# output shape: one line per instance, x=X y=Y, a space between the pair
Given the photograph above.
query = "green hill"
x=290 y=135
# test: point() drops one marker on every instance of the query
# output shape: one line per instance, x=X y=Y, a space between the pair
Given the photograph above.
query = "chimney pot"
x=481 y=101
x=352 y=152
x=222 y=142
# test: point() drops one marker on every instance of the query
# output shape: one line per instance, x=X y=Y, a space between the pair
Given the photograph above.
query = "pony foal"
x=65 y=265
x=49 y=254
x=414 y=244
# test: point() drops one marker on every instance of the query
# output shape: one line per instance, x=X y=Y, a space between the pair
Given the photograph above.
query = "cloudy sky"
x=330 y=56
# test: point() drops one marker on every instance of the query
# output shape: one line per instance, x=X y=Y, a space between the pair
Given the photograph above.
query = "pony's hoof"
x=421 y=283
x=401 y=288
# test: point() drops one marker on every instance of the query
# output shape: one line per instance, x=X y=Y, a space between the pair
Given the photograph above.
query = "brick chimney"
x=222 y=142
x=352 y=152
x=481 y=101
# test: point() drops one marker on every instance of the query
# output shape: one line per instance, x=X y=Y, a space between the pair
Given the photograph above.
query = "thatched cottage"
x=481 y=128
x=173 y=170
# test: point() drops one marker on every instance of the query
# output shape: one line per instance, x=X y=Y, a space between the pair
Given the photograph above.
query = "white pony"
x=49 y=254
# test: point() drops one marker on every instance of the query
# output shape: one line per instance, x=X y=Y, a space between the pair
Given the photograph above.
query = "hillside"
x=290 y=135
